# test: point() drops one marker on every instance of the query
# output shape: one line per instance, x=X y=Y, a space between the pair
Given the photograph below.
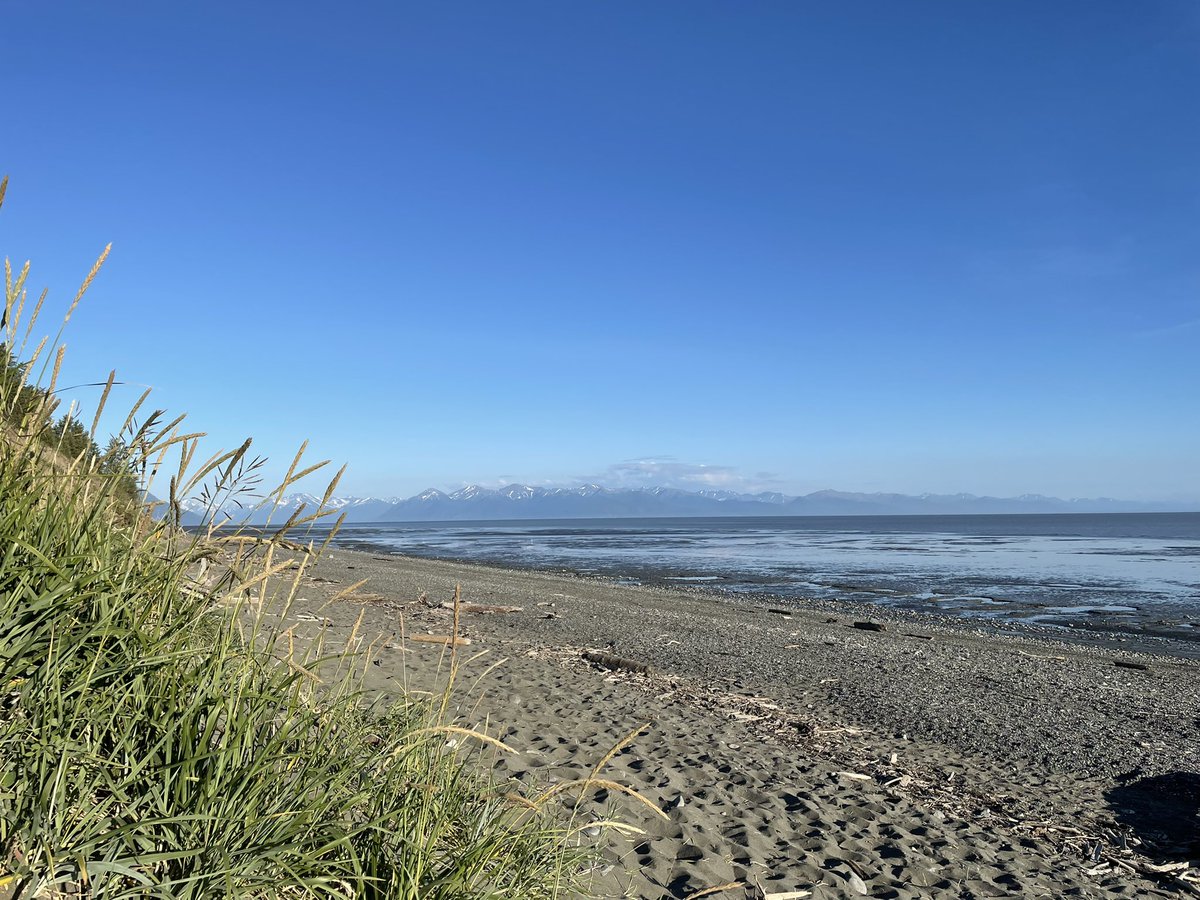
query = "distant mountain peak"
x=517 y=491
x=523 y=501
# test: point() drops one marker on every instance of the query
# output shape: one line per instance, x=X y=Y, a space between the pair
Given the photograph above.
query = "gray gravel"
x=1015 y=703
x=1045 y=753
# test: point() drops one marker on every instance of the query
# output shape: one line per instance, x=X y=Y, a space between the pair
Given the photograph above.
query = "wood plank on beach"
x=439 y=639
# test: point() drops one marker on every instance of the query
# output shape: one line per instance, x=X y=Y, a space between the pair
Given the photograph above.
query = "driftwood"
x=780 y=612
x=870 y=626
x=715 y=889
x=757 y=892
x=481 y=608
x=1174 y=874
x=439 y=639
x=609 y=661
x=1124 y=664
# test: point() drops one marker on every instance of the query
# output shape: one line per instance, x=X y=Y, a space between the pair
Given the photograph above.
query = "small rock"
x=856 y=884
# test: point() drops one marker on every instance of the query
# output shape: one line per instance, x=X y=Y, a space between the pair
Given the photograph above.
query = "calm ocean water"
x=1107 y=571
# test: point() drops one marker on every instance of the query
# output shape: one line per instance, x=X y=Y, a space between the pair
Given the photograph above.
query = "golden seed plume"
x=37 y=309
x=58 y=361
x=87 y=282
x=108 y=385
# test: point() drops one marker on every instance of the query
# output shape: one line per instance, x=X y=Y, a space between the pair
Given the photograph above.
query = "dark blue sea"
x=1111 y=571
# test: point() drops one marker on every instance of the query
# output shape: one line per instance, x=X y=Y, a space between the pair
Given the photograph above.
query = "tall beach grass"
x=161 y=736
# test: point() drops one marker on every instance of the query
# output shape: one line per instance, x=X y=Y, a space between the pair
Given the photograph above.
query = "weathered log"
x=870 y=626
x=439 y=639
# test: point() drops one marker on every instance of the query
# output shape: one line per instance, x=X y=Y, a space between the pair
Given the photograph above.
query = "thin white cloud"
x=1168 y=330
x=666 y=471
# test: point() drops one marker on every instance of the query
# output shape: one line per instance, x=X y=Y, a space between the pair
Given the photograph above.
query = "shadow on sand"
x=1163 y=811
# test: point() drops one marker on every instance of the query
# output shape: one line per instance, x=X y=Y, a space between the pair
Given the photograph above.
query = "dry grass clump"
x=158 y=735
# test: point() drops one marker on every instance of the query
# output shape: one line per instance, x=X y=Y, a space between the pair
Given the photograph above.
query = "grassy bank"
x=159 y=738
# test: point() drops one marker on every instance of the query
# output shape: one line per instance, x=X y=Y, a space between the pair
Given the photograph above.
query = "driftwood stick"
x=452 y=640
x=481 y=608
x=609 y=661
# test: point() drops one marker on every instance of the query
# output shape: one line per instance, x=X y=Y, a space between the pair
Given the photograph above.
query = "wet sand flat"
x=793 y=750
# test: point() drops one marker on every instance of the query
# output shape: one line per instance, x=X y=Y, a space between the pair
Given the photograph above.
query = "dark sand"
x=798 y=753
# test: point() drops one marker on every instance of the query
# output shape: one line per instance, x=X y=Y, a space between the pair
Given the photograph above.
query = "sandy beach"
x=843 y=751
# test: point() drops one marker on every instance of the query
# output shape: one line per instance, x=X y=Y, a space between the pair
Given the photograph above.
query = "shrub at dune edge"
x=162 y=736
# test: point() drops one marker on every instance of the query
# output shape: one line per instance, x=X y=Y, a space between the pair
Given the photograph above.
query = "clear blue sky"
x=871 y=246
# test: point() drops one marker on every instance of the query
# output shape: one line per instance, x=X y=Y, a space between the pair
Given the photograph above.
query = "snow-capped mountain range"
x=522 y=501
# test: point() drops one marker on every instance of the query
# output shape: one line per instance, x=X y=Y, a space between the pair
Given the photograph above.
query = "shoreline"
x=798 y=752
x=1111 y=634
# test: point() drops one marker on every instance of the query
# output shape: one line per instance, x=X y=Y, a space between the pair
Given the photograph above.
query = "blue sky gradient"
x=872 y=246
